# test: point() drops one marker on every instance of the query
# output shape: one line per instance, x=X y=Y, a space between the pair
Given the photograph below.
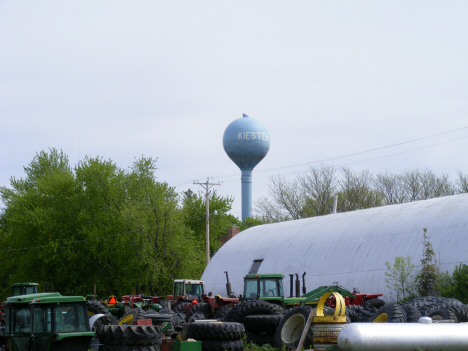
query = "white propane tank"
x=403 y=336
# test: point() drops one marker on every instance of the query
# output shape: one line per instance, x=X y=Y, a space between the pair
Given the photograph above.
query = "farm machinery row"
x=48 y=321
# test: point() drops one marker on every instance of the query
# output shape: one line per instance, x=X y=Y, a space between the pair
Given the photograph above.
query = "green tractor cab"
x=47 y=322
x=267 y=287
x=24 y=289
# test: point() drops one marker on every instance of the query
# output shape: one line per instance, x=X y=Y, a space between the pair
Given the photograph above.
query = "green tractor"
x=46 y=322
x=269 y=287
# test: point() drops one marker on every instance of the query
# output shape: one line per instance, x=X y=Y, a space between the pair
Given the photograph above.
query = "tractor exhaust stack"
x=228 y=285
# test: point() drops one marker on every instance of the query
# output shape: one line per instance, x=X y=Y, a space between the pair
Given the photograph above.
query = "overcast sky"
x=122 y=79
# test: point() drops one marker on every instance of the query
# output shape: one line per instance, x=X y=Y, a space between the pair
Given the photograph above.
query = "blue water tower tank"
x=246 y=141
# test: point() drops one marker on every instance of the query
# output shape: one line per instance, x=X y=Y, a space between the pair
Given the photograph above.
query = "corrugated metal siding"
x=350 y=247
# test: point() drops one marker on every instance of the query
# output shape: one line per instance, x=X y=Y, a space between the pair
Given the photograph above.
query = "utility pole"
x=207 y=185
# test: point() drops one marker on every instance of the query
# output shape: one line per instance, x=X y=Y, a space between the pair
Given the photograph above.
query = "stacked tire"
x=217 y=335
x=130 y=338
x=260 y=319
x=168 y=316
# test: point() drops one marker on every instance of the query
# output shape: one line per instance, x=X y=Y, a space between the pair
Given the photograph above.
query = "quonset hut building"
x=350 y=248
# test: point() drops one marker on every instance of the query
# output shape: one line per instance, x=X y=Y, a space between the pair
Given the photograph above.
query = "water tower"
x=246 y=141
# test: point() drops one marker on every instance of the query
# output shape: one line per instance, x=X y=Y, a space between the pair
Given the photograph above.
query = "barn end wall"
x=350 y=248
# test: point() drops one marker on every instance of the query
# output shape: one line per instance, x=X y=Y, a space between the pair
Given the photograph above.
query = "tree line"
x=96 y=223
x=312 y=193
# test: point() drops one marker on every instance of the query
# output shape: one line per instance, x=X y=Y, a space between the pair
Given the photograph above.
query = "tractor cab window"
x=30 y=290
x=194 y=289
x=178 y=289
x=270 y=288
x=16 y=290
x=251 y=289
x=42 y=319
x=71 y=317
x=18 y=320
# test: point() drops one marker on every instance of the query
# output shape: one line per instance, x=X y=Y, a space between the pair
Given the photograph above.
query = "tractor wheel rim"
x=292 y=328
x=126 y=320
x=381 y=318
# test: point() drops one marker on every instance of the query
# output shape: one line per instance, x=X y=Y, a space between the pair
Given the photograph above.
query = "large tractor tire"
x=262 y=323
x=201 y=307
x=222 y=345
x=233 y=314
x=290 y=329
x=133 y=315
x=181 y=306
x=460 y=311
x=131 y=335
x=258 y=307
x=179 y=319
x=441 y=313
x=129 y=348
x=390 y=313
x=95 y=307
x=160 y=318
x=221 y=313
x=412 y=313
x=374 y=303
x=215 y=331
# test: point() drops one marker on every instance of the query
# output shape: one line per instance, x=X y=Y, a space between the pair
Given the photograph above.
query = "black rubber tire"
x=261 y=339
x=441 y=313
x=290 y=328
x=266 y=323
x=412 y=313
x=353 y=316
x=201 y=307
x=179 y=319
x=425 y=304
x=258 y=307
x=362 y=313
x=129 y=348
x=222 y=345
x=95 y=307
x=131 y=335
x=233 y=314
x=390 y=313
x=181 y=306
x=104 y=320
x=221 y=313
x=374 y=303
x=215 y=330
x=133 y=315
x=160 y=318
x=196 y=317
x=460 y=311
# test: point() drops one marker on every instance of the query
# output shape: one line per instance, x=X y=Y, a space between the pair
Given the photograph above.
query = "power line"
x=376 y=158
x=349 y=155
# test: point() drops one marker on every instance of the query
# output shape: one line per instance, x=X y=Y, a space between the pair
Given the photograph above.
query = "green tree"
x=455 y=285
x=194 y=210
x=94 y=224
x=427 y=276
x=398 y=277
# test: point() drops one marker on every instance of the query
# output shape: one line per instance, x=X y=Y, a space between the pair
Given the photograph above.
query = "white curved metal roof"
x=349 y=248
